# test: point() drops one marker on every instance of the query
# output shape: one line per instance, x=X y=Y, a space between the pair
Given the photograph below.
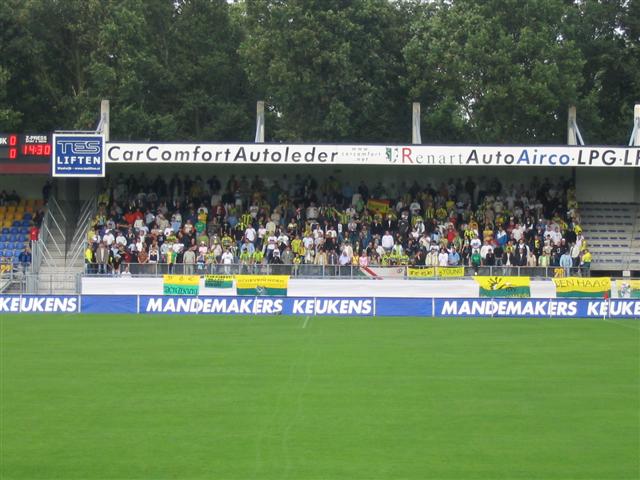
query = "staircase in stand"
x=61 y=260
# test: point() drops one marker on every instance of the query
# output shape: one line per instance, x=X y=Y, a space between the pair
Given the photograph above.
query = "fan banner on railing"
x=583 y=287
x=634 y=288
x=381 y=272
x=430 y=272
x=181 y=284
x=519 y=287
x=262 y=284
x=378 y=206
x=628 y=288
x=218 y=281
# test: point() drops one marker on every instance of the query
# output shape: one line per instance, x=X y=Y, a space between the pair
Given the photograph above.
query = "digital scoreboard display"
x=25 y=153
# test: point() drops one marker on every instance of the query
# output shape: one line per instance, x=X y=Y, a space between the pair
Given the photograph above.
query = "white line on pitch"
x=304 y=325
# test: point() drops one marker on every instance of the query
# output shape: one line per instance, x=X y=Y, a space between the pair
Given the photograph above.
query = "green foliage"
x=494 y=71
x=330 y=70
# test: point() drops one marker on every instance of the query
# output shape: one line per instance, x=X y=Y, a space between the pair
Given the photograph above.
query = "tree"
x=212 y=94
x=493 y=70
x=608 y=34
x=328 y=69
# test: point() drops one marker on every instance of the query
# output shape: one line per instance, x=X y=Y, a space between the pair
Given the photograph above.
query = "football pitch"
x=230 y=397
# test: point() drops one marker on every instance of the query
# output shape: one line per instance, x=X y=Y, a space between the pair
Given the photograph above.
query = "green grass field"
x=115 y=397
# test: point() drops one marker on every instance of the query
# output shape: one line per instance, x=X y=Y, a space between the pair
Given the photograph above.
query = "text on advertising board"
x=277 y=154
x=78 y=155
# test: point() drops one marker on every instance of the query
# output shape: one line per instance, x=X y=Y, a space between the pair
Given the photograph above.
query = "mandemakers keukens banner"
x=324 y=154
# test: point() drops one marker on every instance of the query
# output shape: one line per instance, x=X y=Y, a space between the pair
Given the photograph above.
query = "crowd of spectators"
x=302 y=220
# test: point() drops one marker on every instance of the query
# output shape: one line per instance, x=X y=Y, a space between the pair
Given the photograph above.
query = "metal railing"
x=87 y=212
x=12 y=276
x=50 y=225
x=323 y=271
x=65 y=282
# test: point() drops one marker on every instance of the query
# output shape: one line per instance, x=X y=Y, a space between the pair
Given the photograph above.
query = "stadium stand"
x=614 y=233
x=19 y=219
x=303 y=221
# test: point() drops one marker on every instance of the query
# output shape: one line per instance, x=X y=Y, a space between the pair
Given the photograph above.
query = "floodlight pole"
x=103 y=125
x=573 y=132
x=416 y=137
x=259 y=122
x=634 y=141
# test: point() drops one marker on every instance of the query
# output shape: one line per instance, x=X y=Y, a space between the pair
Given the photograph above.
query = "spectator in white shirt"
x=387 y=241
x=485 y=249
x=312 y=212
x=121 y=239
x=250 y=234
x=443 y=258
x=517 y=232
x=108 y=238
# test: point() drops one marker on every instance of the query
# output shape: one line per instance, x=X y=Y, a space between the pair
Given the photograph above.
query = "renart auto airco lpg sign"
x=322 y=154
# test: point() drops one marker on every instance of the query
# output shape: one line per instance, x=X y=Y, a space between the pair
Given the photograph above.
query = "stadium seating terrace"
x=19 y=220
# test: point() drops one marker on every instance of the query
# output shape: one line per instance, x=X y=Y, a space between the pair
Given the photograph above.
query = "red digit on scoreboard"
x=13 y=153
x=13 y=141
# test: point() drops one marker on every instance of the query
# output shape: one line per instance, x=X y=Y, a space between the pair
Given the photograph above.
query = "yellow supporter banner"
x=262 y=284
x=431 y=272
x=378 y=206
x=519 y=287
x=181 y=279
x=582 y=287
x=218 y=281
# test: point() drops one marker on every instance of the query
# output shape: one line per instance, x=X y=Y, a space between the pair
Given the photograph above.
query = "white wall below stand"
x=465 y=288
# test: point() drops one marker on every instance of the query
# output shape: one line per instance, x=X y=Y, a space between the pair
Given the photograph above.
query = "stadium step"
x=613 y=235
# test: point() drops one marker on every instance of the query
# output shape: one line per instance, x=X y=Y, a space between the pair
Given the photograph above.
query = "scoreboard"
x=25 y=152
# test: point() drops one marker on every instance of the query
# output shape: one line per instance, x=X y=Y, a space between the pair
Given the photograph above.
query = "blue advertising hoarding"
x=78 y=155
x=318 y=306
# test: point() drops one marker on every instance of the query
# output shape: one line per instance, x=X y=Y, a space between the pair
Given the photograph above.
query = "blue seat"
x=16 y=223
x=27 y=216
x=24 y=237
x=13 y=230
x=26 y=223
x=5 y=230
